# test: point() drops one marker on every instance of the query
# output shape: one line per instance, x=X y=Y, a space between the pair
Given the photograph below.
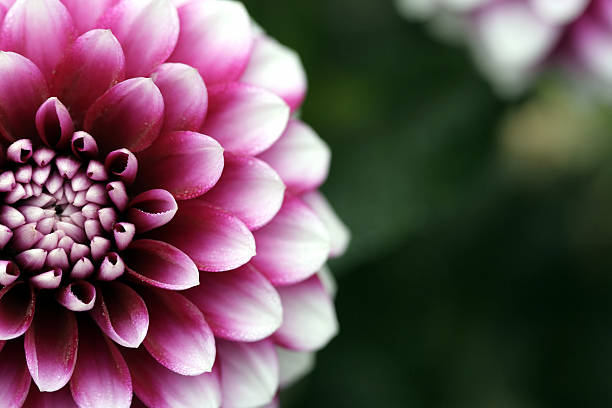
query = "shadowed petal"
x=51 y=346
x=22 y=90
x=151 y=209
x=147 y=31
x=249 y=189
x=16 y=309
x=278 y=69
x=57 y=399
x=293 y=246
x=101 y=377
x=179 y=338
x=215 y=38
x=309 y=318
x=14 y=376
x=159 y=387
x=299 y=157
x=93 y=64
x=339 y=233
x=185 y=96
x=31 y=23
x=239 y=305
x=245 y=119
x=294 y=365
x=214 y=239
x=159 y=264
x=54 y=124
x=121 y=314
x=128 y=115
x=249 y=373
x=187 y=164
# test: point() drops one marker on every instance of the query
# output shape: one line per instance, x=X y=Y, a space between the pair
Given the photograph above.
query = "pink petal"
x=309 y=320
x=339 y=233
x=187 y=164
x=239 y=305
x=249 y=373
x=78 y=296
x=185 y=96
x=121 y=314
x=54 y=124
x=299 y=157
x=128 y=115
x=101 y=377
x=245 y=119
x=206 y=43
x=31 y=23
x=85 y=14
x=147 y=30
x=122 y=164
x=151 y=209
x=278 y=69
x=159 y=264
x=294 y=365
x=159 y=387
x=22 y=90
x=93 y=64
x=293 y=246
x=249 y=189
x=16 y=310
x=57 y=399
x=214 y=239
x=51 y=346
x=179 y=338
x=14 y=376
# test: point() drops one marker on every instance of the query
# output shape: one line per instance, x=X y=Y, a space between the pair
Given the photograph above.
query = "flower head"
x=513 y=40
x=162 y=240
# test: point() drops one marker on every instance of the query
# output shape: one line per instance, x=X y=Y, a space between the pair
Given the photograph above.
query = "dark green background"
x=463 y=286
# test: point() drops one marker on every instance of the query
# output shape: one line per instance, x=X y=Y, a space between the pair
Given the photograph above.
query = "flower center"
x=60 y=216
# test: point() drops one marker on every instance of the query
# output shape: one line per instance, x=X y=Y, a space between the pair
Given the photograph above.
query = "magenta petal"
x=101 y=377
x=220 y=54
x=179 y=338
x=339 y=233
x=185 y=96
x=85 y=14
x=245 y=119
x=278 y=69
x=239 y=305
x=16 y=310
x=128 y=115
x=249 y=373
x=293 y=246
x=187 y=164
x=161 y=265
x=23 y=89
x=57 y=399
x=14 y=376
x=31 y=23
x=299 y=157
x=122 y=164
x=159 y=387
x=121 y=314
x=9 y=272
x=151 y=209
x=249 y=189
x=51 y=346
x=147 y=31
x=78 y=296
x=214 y=239
x=309 y=318
x=93 y=64
x=54 y=124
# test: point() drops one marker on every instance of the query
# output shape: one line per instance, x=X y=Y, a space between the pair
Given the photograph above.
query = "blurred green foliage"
x=465 y=285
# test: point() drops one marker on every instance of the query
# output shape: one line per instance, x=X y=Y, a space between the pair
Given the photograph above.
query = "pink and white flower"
x=162 y=240
x=514 y=40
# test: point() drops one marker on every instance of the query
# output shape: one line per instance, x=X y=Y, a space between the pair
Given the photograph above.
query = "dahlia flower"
x=514 y=39
x=162 y=238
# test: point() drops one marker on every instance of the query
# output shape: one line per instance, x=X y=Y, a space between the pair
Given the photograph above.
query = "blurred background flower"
x=479 y=271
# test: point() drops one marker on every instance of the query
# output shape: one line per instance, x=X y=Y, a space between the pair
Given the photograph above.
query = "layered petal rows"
x=162 y=239
x=513 y=40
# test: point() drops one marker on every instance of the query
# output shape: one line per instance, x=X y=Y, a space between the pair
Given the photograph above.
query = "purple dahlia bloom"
x=162 y=238
x=513 y=40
